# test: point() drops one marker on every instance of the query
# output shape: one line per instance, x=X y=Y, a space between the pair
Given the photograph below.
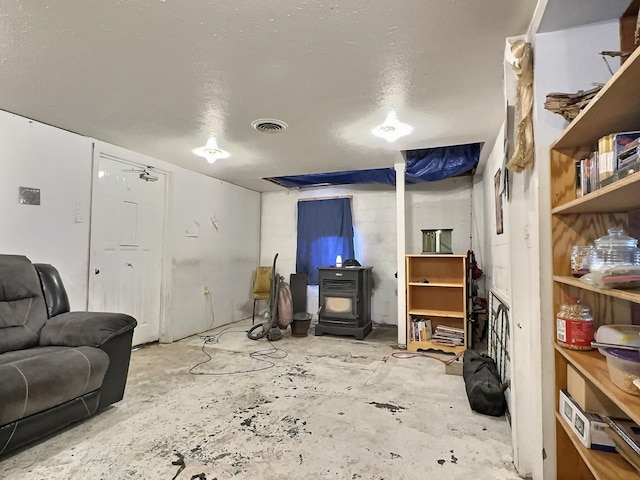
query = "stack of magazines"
x=445 y=335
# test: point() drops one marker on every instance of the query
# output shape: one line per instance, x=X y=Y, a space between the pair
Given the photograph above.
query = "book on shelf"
x=616 y=157
x=605 y=158
x=420 y=329
x=590 y=175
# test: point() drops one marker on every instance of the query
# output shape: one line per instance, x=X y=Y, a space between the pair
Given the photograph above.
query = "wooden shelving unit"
x=436 y=290
x=579 y=221
x=601 y=465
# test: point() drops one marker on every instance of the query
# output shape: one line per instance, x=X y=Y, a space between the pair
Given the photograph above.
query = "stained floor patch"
x=388 y=406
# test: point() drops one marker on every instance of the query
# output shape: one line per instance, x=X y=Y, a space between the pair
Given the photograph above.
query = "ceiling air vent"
x=269 y=125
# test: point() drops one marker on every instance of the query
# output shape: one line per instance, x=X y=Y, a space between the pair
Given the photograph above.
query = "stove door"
x=339 y=307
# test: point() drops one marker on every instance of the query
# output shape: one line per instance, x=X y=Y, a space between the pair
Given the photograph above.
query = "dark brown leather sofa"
x=56 y=367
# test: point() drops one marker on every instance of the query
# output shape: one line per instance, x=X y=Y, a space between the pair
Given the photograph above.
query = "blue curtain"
x=325 y=230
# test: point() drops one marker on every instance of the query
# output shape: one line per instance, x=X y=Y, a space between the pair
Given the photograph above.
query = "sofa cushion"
x=39 y=378
x=84 y=328
x=22 y=307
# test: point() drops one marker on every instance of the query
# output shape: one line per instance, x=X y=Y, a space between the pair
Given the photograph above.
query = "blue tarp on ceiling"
x=423 y=165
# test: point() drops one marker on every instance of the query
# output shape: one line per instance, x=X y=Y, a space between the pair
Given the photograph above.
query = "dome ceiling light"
x=392 y=128
x=211 y=152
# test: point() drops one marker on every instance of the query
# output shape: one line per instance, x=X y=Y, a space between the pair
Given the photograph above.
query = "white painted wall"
x=480 y=224
x=495 y=255
x=59 y=163
x=494 y=250
x=445 y=204
x=222 y=258
x=565 y=61
x=213 y=237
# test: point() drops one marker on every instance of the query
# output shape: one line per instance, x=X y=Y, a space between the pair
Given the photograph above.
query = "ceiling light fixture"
x=392 y=128
x=211 y=151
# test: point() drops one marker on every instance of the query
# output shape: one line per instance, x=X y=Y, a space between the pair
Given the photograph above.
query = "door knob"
x=127 y=264
x=97 y=271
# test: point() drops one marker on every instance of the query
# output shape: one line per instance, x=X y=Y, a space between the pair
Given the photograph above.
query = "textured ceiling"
x=160 y=76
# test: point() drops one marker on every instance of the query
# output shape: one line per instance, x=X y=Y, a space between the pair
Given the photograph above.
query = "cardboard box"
x=588 y=427
x=588 y=397
x=454 y=368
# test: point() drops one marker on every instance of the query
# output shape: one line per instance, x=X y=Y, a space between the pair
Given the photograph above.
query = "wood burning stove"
x=345 y=301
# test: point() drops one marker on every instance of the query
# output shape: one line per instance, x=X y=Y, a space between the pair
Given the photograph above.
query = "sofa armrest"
x=93 y=329
x=55 y=296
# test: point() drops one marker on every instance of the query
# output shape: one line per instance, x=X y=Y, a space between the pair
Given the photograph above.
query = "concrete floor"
x=323 y=407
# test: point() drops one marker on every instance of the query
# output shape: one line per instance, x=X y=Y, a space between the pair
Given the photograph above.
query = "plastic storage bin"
x=619 y=334
x=624 y=368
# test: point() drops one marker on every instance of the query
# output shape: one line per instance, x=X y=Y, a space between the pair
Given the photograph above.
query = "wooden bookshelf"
x=593 y=366
x=436 y=291
x=599 y=465
x=631 y=295
x=579 y=221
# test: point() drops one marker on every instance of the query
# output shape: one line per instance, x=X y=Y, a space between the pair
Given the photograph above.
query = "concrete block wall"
x=374 y=219
x=445 y=204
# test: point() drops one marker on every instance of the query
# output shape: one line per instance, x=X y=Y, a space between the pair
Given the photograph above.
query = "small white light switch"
x=78 y=213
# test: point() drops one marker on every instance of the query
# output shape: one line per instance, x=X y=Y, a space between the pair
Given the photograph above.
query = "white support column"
x=401 y=250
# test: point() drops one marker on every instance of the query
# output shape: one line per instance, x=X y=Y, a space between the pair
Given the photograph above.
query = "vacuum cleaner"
x=274 y=319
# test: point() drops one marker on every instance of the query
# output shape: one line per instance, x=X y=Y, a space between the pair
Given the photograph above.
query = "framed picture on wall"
x=497 y=188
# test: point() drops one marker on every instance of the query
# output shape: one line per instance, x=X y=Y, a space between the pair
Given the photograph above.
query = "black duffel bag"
x=482 y=381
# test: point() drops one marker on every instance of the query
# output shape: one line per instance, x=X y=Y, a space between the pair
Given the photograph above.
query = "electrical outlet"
x=206 y=291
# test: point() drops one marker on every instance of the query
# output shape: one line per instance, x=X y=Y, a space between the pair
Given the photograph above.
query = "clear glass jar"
x=574 y=325
x=614 y=249
x=580 y=257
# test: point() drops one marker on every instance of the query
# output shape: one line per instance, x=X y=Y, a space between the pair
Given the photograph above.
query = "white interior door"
x=127 y=232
